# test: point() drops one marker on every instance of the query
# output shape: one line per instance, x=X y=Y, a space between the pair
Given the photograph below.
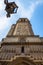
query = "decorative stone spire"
x=22 y=27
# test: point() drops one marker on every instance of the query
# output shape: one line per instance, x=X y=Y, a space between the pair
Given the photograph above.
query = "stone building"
x=21 y=46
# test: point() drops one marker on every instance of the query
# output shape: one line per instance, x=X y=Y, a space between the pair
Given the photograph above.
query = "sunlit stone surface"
x=21 y=46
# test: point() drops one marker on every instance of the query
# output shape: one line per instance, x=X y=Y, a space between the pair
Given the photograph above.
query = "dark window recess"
x=22 y=49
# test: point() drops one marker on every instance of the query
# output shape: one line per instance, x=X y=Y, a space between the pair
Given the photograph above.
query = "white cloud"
x=23 y=12
x=3 y=22
x=1 y=4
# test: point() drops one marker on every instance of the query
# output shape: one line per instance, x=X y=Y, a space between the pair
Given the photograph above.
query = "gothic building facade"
x=21 y=46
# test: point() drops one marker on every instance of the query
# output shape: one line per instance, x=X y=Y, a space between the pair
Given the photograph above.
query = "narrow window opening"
x=22 y=49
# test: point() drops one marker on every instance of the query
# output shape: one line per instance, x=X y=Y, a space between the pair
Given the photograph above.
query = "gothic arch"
x=21 y=61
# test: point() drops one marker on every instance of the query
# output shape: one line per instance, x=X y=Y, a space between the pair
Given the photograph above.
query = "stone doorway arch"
x=22 y=61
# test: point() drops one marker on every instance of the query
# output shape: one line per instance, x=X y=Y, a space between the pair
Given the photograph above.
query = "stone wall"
x=27 y=49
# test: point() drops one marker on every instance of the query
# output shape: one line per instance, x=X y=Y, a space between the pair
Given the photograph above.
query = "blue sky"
x=31 y=9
